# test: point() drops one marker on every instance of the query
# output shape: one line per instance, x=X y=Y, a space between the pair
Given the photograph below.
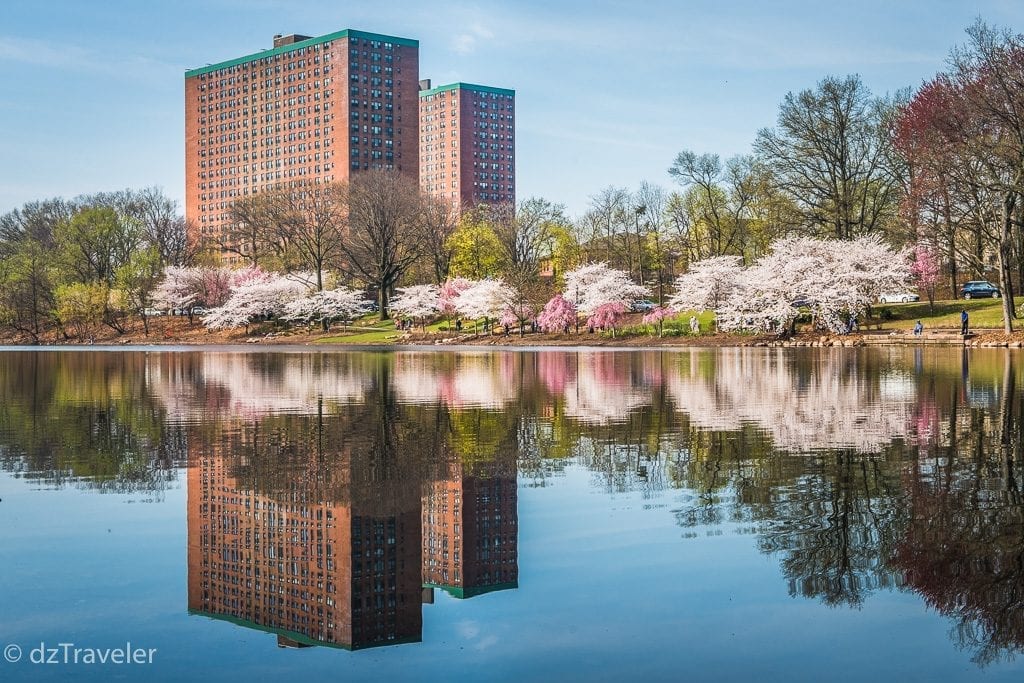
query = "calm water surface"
x=770 y=514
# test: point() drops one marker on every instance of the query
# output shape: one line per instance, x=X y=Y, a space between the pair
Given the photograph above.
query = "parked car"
x=199 y=310
x=642 y=306
x=898 y=298
x=800 y=301
x=979 y=289
x=151 y=312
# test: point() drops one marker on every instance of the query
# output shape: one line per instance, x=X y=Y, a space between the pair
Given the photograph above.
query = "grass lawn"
x=984 y=313
x=366 y=330
x=370 y=330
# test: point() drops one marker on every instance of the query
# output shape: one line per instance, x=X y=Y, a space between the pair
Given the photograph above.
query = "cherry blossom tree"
x=324 y=306
x=418 y=302
x=835 y=279
x=520 y=314
x=177 y=289
x=484 y=299
x=263 y=296
x=707 y=284
x=213 y=285
x=182 y=289
x=559 y=315
x=606 y=316
x=657 y=317
x=591 y=286
x=450 y=291
x=927 y=271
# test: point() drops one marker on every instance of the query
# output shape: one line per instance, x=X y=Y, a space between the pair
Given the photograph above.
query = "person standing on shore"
x=963 y=322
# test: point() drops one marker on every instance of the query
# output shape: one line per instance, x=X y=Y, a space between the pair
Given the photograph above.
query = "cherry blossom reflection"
x=821 y=404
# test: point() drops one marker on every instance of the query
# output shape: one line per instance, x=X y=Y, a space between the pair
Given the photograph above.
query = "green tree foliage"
x=94 y=243
x=137 y=279
x=82 y=308
x=476 y=251
x=26 y=290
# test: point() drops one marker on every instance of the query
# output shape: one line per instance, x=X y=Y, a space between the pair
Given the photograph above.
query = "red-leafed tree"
x=927 y=271
x=963 y=134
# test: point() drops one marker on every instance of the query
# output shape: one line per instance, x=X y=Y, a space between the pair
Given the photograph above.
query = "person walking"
x=963 y=322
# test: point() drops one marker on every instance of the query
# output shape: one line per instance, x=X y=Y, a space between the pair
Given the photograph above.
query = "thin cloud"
x=466 y=42
x=74 y=58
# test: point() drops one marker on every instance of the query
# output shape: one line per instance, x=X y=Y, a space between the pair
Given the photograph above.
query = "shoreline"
x=534 y=341
x=177 y=331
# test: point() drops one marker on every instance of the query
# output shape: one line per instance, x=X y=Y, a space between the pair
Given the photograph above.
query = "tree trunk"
x=1005 y=260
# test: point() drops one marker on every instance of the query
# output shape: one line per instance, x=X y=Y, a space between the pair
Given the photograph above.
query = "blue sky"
x=607 y=91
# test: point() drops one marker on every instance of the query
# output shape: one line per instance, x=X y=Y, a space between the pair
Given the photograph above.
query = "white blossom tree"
x=177 y=289
x=835 y=280
x=707 y=284
x=262 y=296
x=325 y=306
x=418 y=302
x=594 y=285
x=484 y=299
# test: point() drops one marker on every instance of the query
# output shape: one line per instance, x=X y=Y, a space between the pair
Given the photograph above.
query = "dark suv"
x=979 y=289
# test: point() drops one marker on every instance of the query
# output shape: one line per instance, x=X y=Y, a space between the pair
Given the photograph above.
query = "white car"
x=898 y=298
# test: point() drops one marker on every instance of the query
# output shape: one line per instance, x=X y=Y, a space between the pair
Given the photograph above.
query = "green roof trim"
x=467 y=86
x=407 y=42
x=463 y=593
x=298 y=637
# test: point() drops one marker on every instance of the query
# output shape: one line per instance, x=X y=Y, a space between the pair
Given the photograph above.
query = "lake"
x=692 y=514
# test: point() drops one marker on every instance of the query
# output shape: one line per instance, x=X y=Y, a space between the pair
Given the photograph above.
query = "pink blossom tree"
x=213 y=285
x=450 y=291
x=657 y=317
x=559 y=315
x=418 y=302
x=518 y=314
x=926 y=270
x=606 y=316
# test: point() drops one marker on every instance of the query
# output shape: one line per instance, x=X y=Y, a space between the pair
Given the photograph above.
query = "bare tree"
x=604 y=228
x=525 y=234
x=386 y=230
x=718 y=199
x=309 y=225
x=650 y=202
x=441 y=219
x=165 y=228
x=252 y=233
x=830 y=154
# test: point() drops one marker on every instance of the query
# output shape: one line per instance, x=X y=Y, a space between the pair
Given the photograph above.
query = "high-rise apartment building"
x=309 y=109
x=467 y=143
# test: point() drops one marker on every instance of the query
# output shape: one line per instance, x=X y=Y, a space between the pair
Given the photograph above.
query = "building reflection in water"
x=312 y=555
x=470 y=534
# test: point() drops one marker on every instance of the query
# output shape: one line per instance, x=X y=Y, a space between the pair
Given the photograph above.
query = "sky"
x=607 y=92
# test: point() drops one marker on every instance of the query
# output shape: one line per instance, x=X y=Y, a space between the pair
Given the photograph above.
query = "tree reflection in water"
x=858 y=469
